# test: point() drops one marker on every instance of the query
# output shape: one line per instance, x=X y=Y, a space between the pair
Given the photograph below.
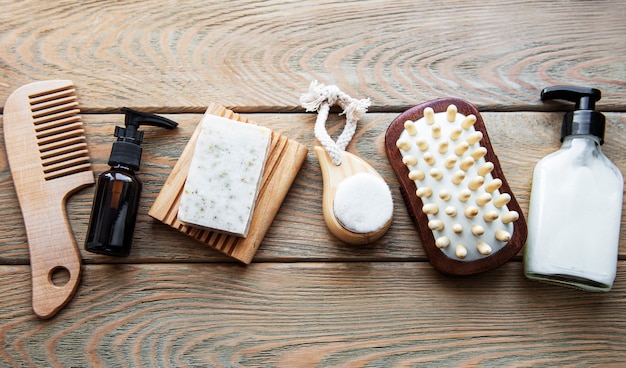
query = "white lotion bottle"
x=576 y=202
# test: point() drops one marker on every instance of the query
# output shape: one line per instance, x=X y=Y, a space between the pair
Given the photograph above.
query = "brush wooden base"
x=414 y=204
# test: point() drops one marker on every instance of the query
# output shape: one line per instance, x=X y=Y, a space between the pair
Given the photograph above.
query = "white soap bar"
x=224 y=176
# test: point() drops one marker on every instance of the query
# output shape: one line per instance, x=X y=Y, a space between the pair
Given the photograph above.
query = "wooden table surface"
x=309 y=299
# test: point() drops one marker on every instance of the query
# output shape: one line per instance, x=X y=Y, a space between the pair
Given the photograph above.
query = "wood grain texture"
x=337 y=314
x=298 y=233
x=176 y=56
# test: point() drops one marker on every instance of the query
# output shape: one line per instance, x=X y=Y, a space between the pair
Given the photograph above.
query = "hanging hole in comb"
x=59 y=276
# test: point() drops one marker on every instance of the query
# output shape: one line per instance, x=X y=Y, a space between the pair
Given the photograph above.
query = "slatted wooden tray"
x=285 y=158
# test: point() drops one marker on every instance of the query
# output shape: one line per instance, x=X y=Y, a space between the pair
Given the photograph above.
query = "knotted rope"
x=320 y=98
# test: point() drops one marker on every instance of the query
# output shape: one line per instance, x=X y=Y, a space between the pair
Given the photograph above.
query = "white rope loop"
x=320 y=98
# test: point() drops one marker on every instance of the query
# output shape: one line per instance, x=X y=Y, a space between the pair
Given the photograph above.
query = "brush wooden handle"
x=332 y=175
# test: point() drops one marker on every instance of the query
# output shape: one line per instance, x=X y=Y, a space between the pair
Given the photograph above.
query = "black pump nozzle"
x=584 y=119
x=136 y=118
x=127 y=150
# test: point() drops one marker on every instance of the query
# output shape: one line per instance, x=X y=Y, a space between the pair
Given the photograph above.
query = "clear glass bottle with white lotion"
x=575 y=202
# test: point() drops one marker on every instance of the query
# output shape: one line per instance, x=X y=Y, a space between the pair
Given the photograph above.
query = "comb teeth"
x=60 y=134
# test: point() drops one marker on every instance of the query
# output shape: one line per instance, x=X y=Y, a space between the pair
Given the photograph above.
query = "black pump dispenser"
x=116 y=200
x=584 y=119
x=127 y=150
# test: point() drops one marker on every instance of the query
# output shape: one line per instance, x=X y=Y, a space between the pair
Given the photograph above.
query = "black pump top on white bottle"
x=584 y=119
x=127 y=150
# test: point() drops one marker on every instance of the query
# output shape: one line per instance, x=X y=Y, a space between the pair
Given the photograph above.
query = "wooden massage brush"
x=356 y=202
x=49 y=161
x=454 y=188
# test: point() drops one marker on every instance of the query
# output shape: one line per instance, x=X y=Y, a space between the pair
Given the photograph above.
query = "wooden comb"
x=49 y=161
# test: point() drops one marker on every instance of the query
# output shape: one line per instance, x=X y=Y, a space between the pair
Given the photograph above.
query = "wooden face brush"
x=49 y=161
x=357 y=203
x=454 y=188
x=344 y=217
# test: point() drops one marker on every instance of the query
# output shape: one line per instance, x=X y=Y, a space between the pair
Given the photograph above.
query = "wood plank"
x=308 y=299
x=179 y=56
x=298 y=231
x=338 y=314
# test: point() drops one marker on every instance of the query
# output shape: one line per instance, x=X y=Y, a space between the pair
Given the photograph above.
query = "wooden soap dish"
x=284 y=160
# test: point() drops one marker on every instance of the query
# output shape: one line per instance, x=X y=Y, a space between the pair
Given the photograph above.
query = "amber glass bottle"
x=116 y=201
x=114 y=212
